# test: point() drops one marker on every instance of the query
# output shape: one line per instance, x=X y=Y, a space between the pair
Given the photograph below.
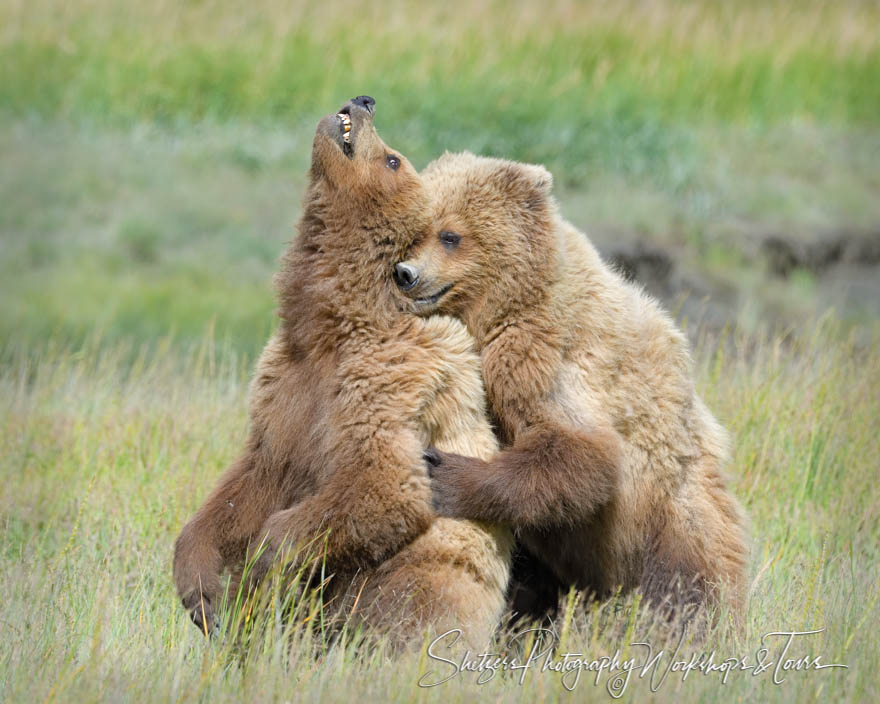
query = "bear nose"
x=406 y=276
x=366 y=102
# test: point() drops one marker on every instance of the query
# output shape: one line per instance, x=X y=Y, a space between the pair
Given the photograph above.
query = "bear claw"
x=432 y=458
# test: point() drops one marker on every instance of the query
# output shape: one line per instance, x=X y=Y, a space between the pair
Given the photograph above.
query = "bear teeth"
x=346 y=126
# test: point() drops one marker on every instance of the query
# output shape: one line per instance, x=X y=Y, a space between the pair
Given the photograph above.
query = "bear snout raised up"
x=349 y=156
x=365 y=102
x=345 y=125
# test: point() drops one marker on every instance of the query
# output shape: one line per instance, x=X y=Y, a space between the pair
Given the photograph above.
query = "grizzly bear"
x=347 y=395
x=612 y=469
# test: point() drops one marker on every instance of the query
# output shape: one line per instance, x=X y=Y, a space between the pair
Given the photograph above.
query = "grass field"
x=582 y=87
x=152 y=160
x=103 y=460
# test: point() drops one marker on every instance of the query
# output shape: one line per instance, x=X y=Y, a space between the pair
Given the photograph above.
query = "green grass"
x=578 y=87
x=103 y=460
x=159 y=235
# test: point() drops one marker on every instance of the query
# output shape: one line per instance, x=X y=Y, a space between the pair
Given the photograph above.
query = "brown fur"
x=346 y=397
x=612 y=471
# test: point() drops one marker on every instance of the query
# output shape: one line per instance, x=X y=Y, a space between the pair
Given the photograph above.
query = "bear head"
x=357 y=171
x=492 y=249
x=364 y=205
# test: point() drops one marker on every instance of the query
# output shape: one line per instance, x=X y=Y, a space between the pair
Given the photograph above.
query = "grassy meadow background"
x=152 y=160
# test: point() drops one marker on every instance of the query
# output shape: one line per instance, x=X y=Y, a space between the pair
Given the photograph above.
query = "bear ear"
x=528 y=184
x=450 y=163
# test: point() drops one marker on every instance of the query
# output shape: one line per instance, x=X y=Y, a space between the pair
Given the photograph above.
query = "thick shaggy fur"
x=612 y=472
x=346 y=397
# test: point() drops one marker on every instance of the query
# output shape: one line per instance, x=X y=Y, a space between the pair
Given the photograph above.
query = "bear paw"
x=202 y=613
x=451 y=478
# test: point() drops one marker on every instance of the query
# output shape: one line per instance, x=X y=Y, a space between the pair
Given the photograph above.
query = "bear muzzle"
x=344 y=125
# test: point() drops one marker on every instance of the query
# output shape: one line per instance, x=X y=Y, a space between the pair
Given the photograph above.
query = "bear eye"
x=449 y=239
x=392 y=162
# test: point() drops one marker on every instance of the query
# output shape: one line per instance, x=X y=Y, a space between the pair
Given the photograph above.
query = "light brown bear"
x=612 y=472
x=347 y=395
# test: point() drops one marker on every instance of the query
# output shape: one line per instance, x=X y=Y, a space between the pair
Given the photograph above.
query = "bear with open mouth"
x=347 y=395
